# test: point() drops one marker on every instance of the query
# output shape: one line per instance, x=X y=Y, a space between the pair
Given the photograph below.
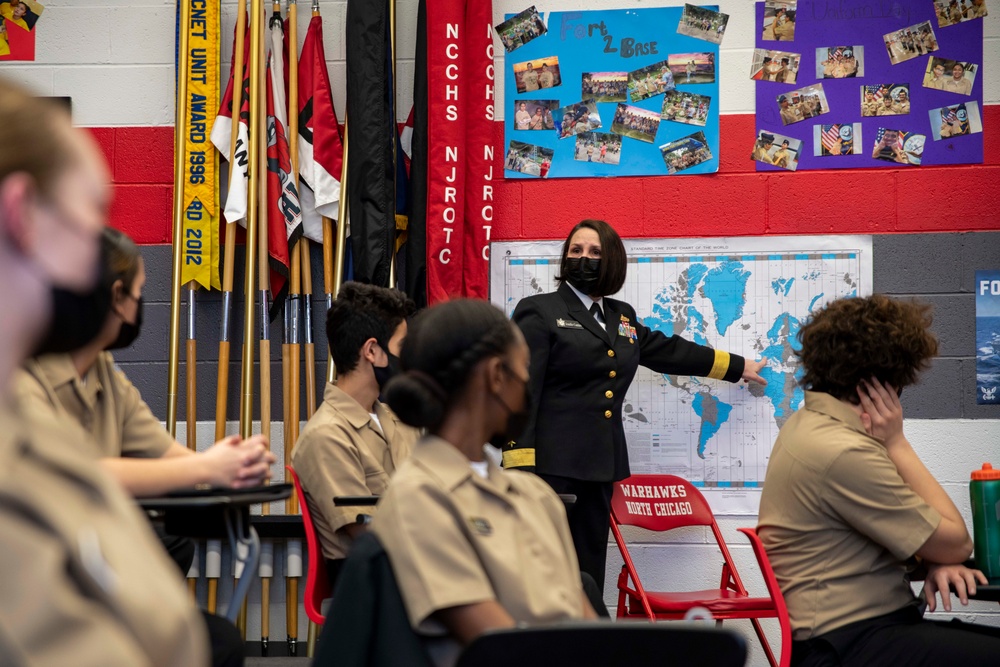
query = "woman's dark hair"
x=858 y=338
x=442 y=347
x=360 y=312
x=613 y=259
x=121 y=256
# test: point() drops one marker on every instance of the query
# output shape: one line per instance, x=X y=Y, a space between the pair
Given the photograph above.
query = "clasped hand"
x=237 y=463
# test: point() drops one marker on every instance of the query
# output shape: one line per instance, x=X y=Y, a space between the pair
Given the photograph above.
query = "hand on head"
x=883 y=413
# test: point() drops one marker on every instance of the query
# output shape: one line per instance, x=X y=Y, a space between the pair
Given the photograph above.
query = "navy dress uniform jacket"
x=579 y=375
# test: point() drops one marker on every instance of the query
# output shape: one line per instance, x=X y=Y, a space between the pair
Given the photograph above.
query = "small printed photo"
x=910 y=42
x=650 y=81
x=886 y=99
x=604 y=86
x=528 y=159
x=803 y=103
x=537 y=74
x=601 y=147
x=955 y=121
x=951 y=75
x=777 y=150
x=898 y=146
x=21 y=13
x=775 y=66
x=702 y=23
x=684 y=107
x=842 y=139
x=779 y=20
x=636 y=123
x=534 y=114
x=517 y=31
x=574 y=119
x=692 y=67
x=685 y=153
x=4 y=42
x=951 y=12
x=840 y=62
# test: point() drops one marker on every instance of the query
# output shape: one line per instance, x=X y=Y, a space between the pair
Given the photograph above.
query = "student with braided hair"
x=473 y=547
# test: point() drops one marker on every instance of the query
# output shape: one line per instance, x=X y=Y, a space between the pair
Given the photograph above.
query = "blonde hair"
x=33 y=137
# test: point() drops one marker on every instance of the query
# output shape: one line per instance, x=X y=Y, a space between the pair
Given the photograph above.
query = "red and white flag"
x=320 y=148
x=236 y=201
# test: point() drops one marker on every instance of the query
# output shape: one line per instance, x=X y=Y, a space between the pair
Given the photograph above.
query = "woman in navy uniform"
x=585 y=350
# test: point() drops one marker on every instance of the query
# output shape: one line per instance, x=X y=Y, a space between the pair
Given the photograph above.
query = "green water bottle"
x=985 y=492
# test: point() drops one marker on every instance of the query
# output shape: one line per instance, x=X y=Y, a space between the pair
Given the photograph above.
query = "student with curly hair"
x=847 y=503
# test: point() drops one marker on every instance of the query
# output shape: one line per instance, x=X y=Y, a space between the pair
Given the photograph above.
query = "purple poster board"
x=827 y=23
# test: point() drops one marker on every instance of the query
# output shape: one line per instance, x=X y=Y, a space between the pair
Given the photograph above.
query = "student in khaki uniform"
x=789 y=114
x=957 y=83
x=530 y=79
x=761 y=148
x=936 y=78
x=83 y=580
x=847 y=503
x=782 y=155
x=473 y=547
x=354 y=443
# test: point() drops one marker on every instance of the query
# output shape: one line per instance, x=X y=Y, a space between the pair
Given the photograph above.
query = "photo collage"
x=17 y=20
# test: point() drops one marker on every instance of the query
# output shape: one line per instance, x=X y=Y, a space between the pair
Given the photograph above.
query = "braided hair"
x=442 y=347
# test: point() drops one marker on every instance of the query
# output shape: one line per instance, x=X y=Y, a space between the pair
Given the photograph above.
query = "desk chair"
x=604 y=643
x=317 y=584
x=664 y=502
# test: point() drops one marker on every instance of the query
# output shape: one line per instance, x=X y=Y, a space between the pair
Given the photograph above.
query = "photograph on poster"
x=537 y=74
x=692 y=67
x=521 y=29
x=703 y=23
x=910 y=42
x=988 y=337
x=636 y=123
x=951 y=75
x=528 y=159
x=535 y=114
x=21 y=13
x=574 y=119
x=4 y=43
x=950 y=12
x=803 y=103
x=779 y=20
x=837 y=139
x=840 y=62
x=898 y=146
x=605 y=148
x=886 y=99
x=776 y=66
x=955 y=121
x=686 y=152
x=777 y=150
x=683 y=107
x=650 y=81
x=604 y=86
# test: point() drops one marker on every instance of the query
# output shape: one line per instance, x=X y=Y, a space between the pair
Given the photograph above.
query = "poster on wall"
x=611 y=93
x=17 y=28
x=875 y=84
x=988 y=337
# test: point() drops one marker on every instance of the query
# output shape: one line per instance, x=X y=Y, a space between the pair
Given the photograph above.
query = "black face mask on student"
x=583 y=273
x=130 y=330
x=77 y=317
x=385 y=373
x=517 y=421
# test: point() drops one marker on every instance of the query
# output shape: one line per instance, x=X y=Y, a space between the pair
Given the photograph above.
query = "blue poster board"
x=988 y=337
x=612 y=41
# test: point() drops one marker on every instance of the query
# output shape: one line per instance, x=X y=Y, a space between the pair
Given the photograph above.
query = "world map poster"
x=748 y=296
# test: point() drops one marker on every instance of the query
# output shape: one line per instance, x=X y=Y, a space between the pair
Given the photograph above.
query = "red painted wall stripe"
x=735 y=202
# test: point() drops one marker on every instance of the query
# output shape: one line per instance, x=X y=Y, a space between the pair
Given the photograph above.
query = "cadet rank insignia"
x=481 y=526
x=626 y=329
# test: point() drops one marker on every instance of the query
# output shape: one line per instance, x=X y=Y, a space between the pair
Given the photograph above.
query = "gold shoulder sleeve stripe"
x=720 y=366
x=518 y=458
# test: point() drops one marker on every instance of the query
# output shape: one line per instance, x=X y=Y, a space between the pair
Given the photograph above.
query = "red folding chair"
x=317 y=584
x=663 y=502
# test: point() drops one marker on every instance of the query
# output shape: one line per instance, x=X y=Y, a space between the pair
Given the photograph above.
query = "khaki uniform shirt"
x=342 y=452
x=455 y=538
x=104 y=402
x=83 y=580
x=837 y=520
x=961 y=86
x=884 y=110
x=760 y=154
x=790 y=115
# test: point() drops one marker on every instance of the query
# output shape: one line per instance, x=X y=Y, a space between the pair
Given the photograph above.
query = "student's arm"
x=468 y=621
x=950 y=543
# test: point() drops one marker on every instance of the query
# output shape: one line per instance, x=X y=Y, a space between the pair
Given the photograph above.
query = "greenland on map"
x=748 y=296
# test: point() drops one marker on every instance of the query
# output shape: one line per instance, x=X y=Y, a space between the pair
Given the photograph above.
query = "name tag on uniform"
x=568 y=324
x=480 y=526
x=626 y=330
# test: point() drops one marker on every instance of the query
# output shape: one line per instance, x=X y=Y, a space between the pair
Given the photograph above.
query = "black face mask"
x=517 y=422
x=77 y=317
x=385 y=373
x=583 y=273
x=129 y=331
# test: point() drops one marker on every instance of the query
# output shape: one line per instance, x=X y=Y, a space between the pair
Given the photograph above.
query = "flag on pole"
x=284 y=213
x=236 y=200
x=830 y=136
x=415 y=145
x=320 y=149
